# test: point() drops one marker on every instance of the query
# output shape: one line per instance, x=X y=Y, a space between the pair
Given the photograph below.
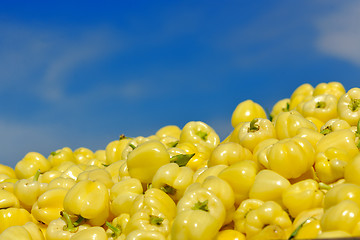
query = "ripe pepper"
x=330 y=165
x=333 y=88
x=8 y=171
x=93 y=233
x=241 y=212
x=269 y=220
x=282 y=105
x=47 y=176
x=146 y=159
x=49 y=205
x=30 y=164
x=113 y=169
x=115 y=229
x=28 y=231
x=132 y=144
x=13 y=217
x=300 y=93
x=352 y=170
x=309 y=134
x=124 y=171
x=322 y=107
x=341 y=192
x=253 y=132
x=317 y=122
x=349 y=106
x=199 y=160
x=145 y=235
x=302 y=196
x=100 y=175
x=8 y=199
x=114 y=149
x=208 y=171
x=307 y=224
x=260 y=152
x=247 y=111
x=157 y=199
x=240 y=176
x=61 y=182
x=60 y=156
x=194 y=224
x=288 y=123
x=83 y=154
x=173 y=179
x=169 y=131
x=89 y=199
x=290 y=157
x=200 y=134
x=344 y=216
x=148 y=219
x=123 y=194
x=197 y=198
x=228 y=154
x=230 y=234
x=28 y=190
x=334 y=125
x=269 y=186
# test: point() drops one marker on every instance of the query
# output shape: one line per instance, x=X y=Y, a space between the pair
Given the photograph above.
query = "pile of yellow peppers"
x=291 y=174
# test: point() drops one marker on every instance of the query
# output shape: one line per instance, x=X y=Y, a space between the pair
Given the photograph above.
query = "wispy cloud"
x=339 y=32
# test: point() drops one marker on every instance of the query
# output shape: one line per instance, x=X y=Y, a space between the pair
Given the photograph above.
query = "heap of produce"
x=291 y=174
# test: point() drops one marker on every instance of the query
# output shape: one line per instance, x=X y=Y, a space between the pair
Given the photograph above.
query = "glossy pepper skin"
x=299 y=94
x=8 y=199
x=282 y=105
x=253 y=132
x=114 y=149
x=349 y=106
x=247 y=111
x=228 y=154
x=30 y=164
x=341 y=192
x=322 y=107
x=334 y=125
x=333 y=88
x=89 y=199
x=63 y=228
x=29 y=231
x=61 y=155
x=146 y=159
x=200 y=134
x=173 y=179
x=269 y=218
x=302 y=196
x=352 y=170
x=290 y=157
x=92 y=233
x=13 y=217
x=307 y=224
x=241 y=212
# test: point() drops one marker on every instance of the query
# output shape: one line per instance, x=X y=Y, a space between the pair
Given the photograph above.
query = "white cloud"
x=339 y=32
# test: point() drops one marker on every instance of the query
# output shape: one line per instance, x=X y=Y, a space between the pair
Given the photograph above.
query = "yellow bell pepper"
x=318 y=123
x=148 y=219
x=194 y=224
x=333 y=88
x=290 y=157
x=145 y=235
x=344 y=216
x=8 y=171
x=253 y=132
x=157 y=199
x=228 y=154
x=349 y=106
x=169 y=130
x=64 y=227
x=334 y=235
x=330 y=165
x=240 y=176
x=32 y=162
x=83 y=154
x=352 y=170
x=282 y=105
x=334 y=125
x=61 y=182
x=29 y=231
x=8 y=199
x=300 y=93
x=307 y=224
x=343 y=139
x=124 y=171
x=269 y=186
x=93 y=233
x=115 y=229
x=197 y=197
x=13 y=217
x=230 y=234
x=260 y=152
x=100 y=175
x=209 y=171
x=269 y=220
x=234 y=135
x=48 y=176
x=7 y=186
x=241 y=212
x=288 y=123
x=199 y=160
x=200 y=134
x=322 y=107
x=247 y=111
x=49 y=205
x=342 y=192
x=302 y=196
x=60 y=156
x=114 y=150
x=123 y=194
x=309 y=134
x=146 y=159
x=74 y=170
x=28 y=190
x=132 y=144
x=173 y=180
x=113 y=169
x=89 y=199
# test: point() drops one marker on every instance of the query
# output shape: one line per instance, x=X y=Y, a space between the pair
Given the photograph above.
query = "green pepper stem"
x=155 y=220
x=168 y=189
x=116 y=230
x=37 y=175
x=355 y=105
x=320 y=105
x=201 y=206
x=69 y=224
x=132 y=146
x=202 y=135
x=79 y=220
x=324 y=186
x=326 y=130
x=182 y=159
x=254 y=126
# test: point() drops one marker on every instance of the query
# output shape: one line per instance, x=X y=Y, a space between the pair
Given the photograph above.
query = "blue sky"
x=79 y=74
